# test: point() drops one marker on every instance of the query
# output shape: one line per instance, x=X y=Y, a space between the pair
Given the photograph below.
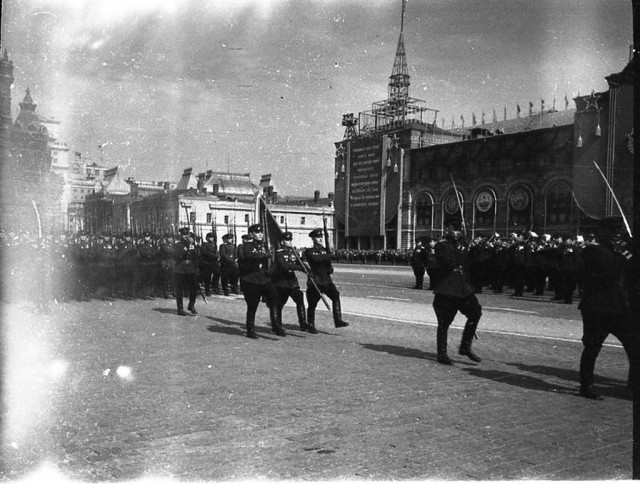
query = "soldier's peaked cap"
x=184 y=231
x=316 y=233
x=209 y=235
x=246 y=237
x=227 y=236
x=256 y=228
x=286 y=236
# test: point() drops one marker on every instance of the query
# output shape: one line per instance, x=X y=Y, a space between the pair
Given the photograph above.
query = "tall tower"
x=400 y=80
x=6 y=81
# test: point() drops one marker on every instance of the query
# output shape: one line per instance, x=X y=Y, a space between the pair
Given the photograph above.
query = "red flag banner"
x=272 y=230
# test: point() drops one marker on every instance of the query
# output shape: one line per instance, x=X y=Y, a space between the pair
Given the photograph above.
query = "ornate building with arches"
x=399 y=177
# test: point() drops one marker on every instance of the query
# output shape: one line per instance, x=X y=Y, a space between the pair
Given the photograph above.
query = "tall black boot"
x=587 y=367
x=311 y=321
x=275 y=314
x=467 y=338
x=337 y=315
x=192 y=303
x=179 y=304
x=251 y=327
x=441 y=343
x=302 y=317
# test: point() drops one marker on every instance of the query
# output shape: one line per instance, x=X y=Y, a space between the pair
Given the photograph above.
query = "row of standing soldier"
x=524 y=262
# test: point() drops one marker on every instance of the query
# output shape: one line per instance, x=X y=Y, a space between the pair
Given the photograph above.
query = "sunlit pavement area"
x=124 y=390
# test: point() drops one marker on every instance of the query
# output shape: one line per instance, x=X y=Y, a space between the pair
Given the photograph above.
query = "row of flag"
x=474 y=121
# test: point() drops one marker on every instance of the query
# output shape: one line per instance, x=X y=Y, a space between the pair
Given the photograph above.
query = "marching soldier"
x=240 y=252
x=319 y=260
x=454 y=292
x=166 y=263
x=418 y=262
x=185 y=271
x=286 y=282
x=209 y=263
x=604 y=305
x=256 y=282
x=228 y=265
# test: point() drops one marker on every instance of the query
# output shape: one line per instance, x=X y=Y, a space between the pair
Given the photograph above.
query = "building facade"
x=399 y=177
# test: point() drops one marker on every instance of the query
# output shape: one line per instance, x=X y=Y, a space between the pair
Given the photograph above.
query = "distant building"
x=395 y=171
x=30 y=198
x=210 y=201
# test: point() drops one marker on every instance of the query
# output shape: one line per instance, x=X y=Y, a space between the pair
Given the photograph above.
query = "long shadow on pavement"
x=532 y=383
x=400 y=351
x=611 y=387
x=236 y=328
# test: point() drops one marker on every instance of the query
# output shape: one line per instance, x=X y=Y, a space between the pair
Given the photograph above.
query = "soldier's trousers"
x=229 y=279
x=446 y=308
x=596 y=327
x=186 y=283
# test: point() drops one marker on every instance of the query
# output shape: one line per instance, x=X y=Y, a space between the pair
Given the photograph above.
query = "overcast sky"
x=260 y=86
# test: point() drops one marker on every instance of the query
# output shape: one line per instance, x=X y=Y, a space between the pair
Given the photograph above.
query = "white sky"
x=261 y=86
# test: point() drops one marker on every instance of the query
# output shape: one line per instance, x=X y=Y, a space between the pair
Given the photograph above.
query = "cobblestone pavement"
x=112 y=391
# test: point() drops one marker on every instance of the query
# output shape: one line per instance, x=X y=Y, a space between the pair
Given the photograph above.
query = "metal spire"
x=400 y=80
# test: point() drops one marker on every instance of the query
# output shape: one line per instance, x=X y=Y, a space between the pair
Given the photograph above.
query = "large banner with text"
x=365 y=188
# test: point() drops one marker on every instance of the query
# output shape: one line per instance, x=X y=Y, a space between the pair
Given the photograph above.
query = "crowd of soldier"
x=523 y=262
x=85 y=266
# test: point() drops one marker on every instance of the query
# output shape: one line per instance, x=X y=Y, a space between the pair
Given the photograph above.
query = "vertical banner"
x=365 y=188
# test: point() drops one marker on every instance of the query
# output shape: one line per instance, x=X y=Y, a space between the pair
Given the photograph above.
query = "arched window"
x=559 y=204
x=520 y=206
x=484 y=208
x=424 y=212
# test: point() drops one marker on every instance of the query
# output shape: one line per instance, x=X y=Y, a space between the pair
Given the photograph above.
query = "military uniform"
x=604 y=306
x=228 y=265
x=417 y=261
x=453 y=293
x=209 y=264
x=166 y=264
x=256 y=283
x=185 y=272
x=286 y=282
x=319 y=260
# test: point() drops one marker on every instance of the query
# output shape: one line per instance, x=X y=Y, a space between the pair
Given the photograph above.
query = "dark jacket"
x=602 y=281
x=185 y=257
x=320 y=263
x=286 y=263
x=256 y=263
x=452 y=263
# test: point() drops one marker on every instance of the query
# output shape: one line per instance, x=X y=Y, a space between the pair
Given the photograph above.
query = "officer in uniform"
x=417 y=261
x=256 y=282
x=604 y=304
x=454 y=292
x=285 y=280
x=319 y=259
x=166 y=263
x=185 y=271
x=240 y=252
x=208 y=263
x=228 y=265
